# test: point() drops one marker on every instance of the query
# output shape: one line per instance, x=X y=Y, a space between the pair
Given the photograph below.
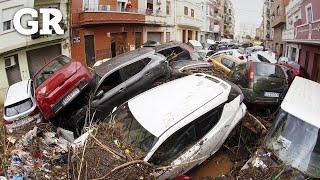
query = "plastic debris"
x=68 y=135
x=259 y=163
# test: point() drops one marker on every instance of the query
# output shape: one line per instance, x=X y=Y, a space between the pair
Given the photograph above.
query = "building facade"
x=278 y=23
x=211 y=21
x=188 y=20
x=229 y=21
x=22 y=56
x=303 y=35
x=267 y=31
x=159 y=20
x=105 y=28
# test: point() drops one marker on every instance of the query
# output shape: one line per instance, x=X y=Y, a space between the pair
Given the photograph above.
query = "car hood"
x=58 y=78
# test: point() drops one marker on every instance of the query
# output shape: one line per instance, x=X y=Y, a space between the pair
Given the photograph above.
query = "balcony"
x=159 y=18
x=288 y=35
x=293 y=6
x=189 y=21
x=278 y=20
x=103 y=14
x=309 y=32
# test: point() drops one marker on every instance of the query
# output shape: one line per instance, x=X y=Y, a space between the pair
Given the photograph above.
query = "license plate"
x=21 y=122
x=70 y=96
x=271 y=94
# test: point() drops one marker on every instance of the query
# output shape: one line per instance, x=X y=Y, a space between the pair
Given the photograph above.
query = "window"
x=192 y=12
x=240 y=75
x=121 y=75
x=186 y=11
x=263 y=59
x=167 y=37
x=278 y=10
x=7 y=25
x=18 y=108
x=309 y=14
x=50 y=69
x=168 y=6
x=228 y=63
x=149 y=6
x=186 y=137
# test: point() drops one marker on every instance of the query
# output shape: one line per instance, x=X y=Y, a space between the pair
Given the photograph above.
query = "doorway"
x=316 y=69
x=190 y=35
x=118 y=43
x=89 y=50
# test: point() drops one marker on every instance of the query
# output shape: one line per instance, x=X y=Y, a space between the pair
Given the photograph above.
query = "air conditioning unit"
x=9 y=61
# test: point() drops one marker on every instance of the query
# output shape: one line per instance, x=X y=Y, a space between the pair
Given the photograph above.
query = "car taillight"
x=209 y=60
x=251 y=75
x=7 y=122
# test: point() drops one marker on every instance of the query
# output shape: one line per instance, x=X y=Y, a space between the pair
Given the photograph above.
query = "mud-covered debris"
x=103 y=156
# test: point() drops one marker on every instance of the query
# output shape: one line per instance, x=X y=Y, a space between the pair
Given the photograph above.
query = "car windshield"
x=268 y=70
x=132 y=132
x=18 y=108
x=50 y=69
x=296 y=143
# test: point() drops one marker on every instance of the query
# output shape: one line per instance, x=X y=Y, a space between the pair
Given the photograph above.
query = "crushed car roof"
x=117 y=61
x=302 y=100
x=162 y=107
x=17 y=92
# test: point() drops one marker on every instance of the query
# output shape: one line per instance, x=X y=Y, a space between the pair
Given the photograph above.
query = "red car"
x=58 y=83
x=295 y=68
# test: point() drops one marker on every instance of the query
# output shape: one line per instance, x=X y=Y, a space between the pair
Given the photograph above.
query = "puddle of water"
x=215 y=166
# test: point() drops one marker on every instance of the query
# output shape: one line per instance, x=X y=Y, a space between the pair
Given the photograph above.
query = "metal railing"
x=93 y=7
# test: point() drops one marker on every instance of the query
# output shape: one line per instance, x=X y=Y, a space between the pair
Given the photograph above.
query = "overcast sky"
x=247 y=12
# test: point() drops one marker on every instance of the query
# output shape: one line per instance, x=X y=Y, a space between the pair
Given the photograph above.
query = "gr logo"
x=50 y=18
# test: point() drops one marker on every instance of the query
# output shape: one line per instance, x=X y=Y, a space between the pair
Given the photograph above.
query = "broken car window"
x=132 y=132
x=50 y=69
x=296 y=143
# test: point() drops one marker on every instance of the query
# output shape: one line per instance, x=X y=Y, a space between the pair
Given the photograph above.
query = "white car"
x=263 y=56
x=184 y=121
x=232 y=52
x=20 y=107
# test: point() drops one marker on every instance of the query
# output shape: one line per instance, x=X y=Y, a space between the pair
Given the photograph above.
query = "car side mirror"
x=99 y=94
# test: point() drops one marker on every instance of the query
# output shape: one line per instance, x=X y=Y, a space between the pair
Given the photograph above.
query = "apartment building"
x=267 y=31
x=278 y=23
x=229 y=21
x=188 y=20
x=105 y=28
x=22 y=56
x=159 y=20
x=303 y=35
x=210 y=17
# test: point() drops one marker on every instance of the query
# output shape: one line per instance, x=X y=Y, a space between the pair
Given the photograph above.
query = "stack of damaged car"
x=58 y=84
x=177 y=124
x=292 y=147
x=125 y=76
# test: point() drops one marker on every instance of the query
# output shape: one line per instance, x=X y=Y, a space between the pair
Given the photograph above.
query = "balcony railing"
x=308 y=31
x=189 y=21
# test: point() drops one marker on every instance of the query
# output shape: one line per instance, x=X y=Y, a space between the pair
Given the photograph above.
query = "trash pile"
x=39 y=152
x=103 y=156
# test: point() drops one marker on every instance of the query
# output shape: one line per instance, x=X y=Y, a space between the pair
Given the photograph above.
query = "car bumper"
x=20 y=123
x=56 y=108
